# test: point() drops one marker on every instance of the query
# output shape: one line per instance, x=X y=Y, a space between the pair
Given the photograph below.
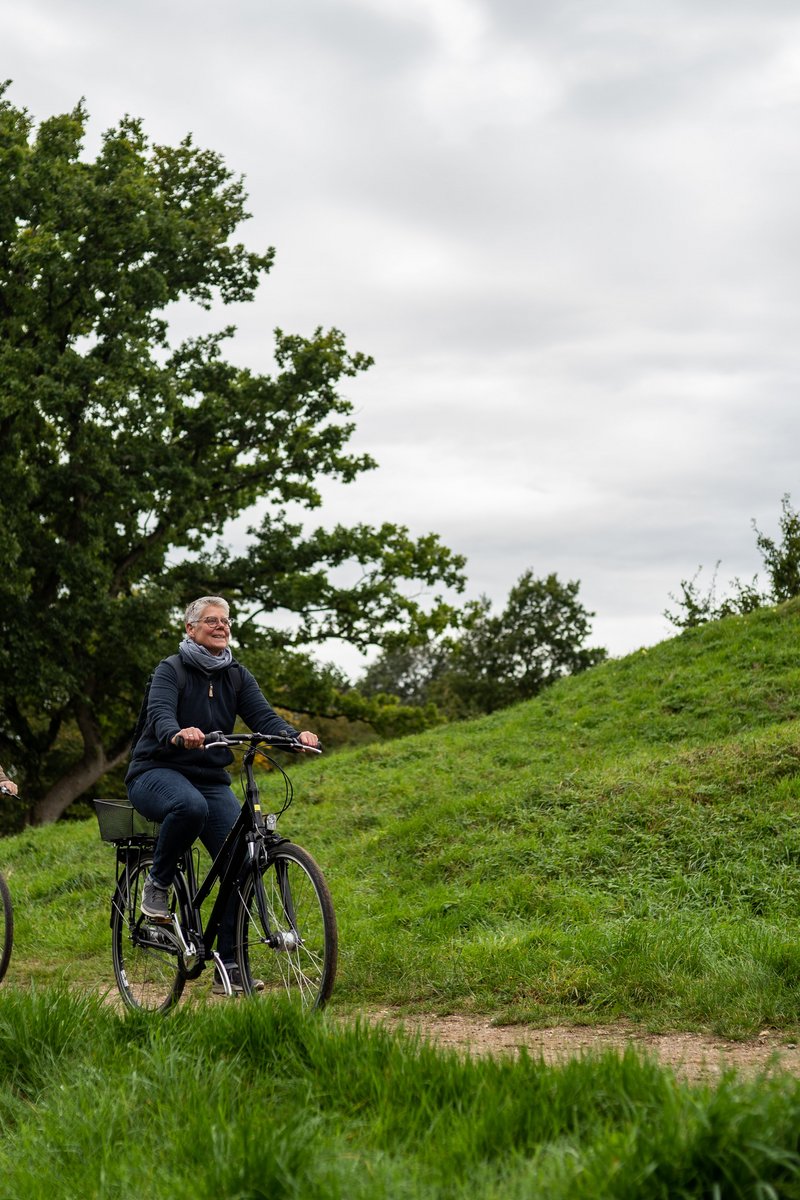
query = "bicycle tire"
x=147 y=966
x=297 y=955
x=6 y=926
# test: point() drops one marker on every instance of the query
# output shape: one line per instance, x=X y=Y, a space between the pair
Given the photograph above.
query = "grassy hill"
x=626 y=844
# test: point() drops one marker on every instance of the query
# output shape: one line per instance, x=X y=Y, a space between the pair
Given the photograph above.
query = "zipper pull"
x=210 y=690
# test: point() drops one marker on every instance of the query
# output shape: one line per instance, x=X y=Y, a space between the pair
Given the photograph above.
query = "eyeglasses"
x=213 y=622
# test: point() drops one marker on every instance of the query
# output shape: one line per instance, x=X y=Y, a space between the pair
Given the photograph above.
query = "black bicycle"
x=285 y=931
x=6 y=917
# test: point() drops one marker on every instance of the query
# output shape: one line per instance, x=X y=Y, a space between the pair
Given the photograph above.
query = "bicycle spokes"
x=147 y=962
x=286 y=931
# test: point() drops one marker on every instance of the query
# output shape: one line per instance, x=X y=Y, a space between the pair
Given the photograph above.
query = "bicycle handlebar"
x=279 y=741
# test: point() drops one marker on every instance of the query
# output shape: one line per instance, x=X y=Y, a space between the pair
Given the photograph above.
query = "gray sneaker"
x=234 y=974
x=154 y=901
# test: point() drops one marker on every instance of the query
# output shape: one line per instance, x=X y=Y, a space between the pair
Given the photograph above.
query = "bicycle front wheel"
x=6 y=926
x=146 y=962
x=286 y=939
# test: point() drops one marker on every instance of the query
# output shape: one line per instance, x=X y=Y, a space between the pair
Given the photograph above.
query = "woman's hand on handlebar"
x=190 y=738
x=307 y=738
x=9 y=787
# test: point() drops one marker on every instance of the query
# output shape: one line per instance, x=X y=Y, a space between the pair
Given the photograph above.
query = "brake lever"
x=218 y=739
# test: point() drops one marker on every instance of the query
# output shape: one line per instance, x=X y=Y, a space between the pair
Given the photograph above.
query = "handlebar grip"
x=209 y=739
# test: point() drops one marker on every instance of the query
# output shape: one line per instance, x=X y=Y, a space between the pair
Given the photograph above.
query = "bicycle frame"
x=248 y=844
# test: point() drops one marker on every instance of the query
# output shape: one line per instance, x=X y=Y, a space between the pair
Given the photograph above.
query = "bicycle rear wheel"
x=286 y=938
x=6 y=926
x=147 y=966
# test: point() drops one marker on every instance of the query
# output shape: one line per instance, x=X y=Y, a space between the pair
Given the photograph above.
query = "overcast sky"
x=567 y=233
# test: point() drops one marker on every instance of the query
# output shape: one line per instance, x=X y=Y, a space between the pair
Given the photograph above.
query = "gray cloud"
x=567 y=235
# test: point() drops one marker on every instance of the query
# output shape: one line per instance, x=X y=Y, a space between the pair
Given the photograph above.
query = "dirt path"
x=695 y=1057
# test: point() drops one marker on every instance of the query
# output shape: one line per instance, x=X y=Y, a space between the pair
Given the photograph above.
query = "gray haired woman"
x=185 y=787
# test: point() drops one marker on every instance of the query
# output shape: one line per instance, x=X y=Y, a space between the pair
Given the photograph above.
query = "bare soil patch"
x=695 y=1057
x=692 y=1056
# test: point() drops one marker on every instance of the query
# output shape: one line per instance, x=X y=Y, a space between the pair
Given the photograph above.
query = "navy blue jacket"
x=208 y=701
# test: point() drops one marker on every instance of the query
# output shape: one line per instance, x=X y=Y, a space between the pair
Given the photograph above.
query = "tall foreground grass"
x=627 y=844
x=245 y=1100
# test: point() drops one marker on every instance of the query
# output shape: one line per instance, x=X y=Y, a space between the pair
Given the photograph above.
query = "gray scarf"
x=201 y=658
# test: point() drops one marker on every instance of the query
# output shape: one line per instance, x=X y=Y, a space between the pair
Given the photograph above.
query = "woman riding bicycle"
x=172 y=779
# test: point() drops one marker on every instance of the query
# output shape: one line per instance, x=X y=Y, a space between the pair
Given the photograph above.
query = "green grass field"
x=249 y=1101
x=626 y=845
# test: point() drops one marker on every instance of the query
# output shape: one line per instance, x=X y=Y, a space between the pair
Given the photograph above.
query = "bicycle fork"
x=277 y=939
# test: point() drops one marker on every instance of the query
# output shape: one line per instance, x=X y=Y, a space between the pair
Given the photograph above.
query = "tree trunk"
x=82 y=775
x=69 y=788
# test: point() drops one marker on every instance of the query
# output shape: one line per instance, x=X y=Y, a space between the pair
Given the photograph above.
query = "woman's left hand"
x=308 y=738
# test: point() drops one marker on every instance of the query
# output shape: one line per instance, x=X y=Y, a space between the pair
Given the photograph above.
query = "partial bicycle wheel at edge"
x=6 y=926
x=146 y=964
x=296 y=954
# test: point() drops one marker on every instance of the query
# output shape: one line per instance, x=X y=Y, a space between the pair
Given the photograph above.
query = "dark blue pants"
x=187 y=810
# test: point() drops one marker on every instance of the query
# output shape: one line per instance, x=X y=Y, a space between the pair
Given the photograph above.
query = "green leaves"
x=122 y=455
x=498 y=659
x=362 y=584
x=781 y=561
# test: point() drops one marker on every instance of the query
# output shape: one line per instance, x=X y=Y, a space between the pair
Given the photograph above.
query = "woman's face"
x=209 y=631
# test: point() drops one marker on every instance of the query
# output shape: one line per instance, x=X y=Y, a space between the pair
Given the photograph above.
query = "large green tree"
x=123 y=456
x=503 y=658
x=498 y=659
